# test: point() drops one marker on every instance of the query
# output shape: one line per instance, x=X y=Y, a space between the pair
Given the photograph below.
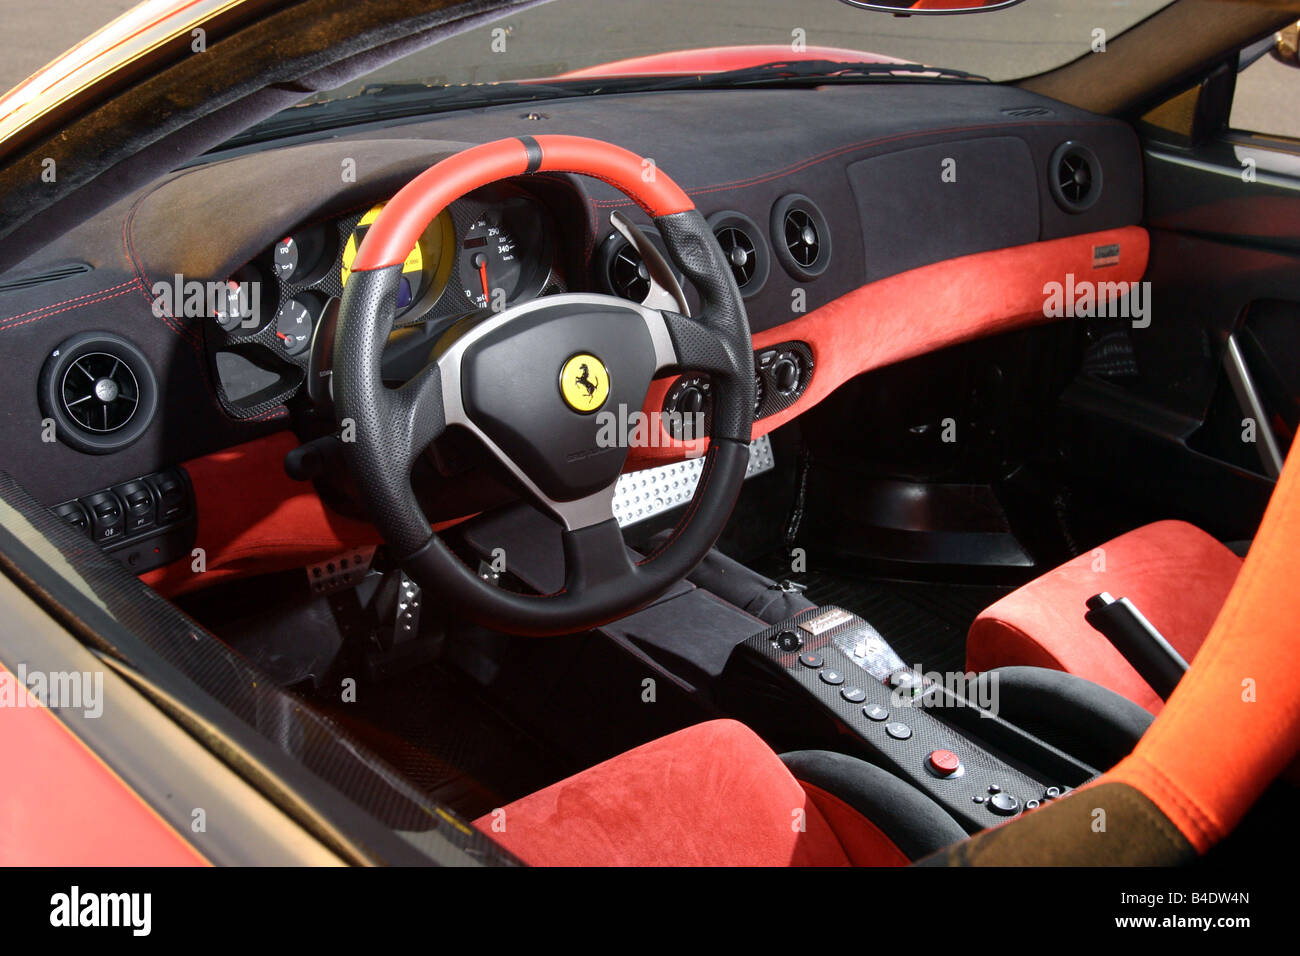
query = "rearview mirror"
x=907 y=8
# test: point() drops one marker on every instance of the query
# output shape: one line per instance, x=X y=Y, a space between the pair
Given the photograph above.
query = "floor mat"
x=925 y=623
x=433 y=729
x=428 y=722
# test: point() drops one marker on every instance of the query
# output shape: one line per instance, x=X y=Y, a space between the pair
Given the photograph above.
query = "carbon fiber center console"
x=847 y=674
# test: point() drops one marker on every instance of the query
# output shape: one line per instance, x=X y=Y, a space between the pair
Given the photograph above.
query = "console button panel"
x=892 y=711
x=145 y=522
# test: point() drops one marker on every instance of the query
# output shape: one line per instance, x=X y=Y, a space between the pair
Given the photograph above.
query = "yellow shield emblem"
x=584 y=383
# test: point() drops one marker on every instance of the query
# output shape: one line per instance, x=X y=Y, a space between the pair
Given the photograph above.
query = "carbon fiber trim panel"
x=325 y=282
x=769 y=397
x=980 y=770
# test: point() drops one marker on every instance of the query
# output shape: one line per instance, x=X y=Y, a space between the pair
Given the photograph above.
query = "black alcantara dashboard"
x=816 y=192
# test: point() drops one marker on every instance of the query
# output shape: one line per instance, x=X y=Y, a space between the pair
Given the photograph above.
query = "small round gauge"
x=301 y=256
x=232 y=309
x=293 y=324
x=285 y=258
x=240 y=306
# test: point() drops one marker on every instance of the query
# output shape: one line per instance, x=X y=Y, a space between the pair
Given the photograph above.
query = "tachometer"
x=426 y=268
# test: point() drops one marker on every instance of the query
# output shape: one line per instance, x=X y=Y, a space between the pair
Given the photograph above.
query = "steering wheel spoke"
x=417 y=411
x=595 y=556
x=694 y=345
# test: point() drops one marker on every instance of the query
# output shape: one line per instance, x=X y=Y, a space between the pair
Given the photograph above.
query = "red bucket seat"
x=715 y=795
x=1176 y=574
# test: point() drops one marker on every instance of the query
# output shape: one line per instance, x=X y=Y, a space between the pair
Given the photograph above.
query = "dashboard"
x=850 y=245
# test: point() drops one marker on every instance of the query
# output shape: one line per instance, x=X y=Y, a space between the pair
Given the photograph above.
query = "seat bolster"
x=1176 y=574
x=713 y=794
x=878 y=818
x=1084 y=719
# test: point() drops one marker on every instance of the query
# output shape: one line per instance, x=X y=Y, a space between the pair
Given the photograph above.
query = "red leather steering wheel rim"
x=406 y=216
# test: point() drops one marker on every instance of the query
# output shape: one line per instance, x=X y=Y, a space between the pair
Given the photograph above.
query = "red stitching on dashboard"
x=192 y=339
x=69 y=308
x=128 y=246
x=630 y=201
x=78 y=298
x=591 y=239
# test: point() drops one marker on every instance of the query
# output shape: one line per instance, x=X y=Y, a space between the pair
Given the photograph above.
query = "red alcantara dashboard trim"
x=923 y=310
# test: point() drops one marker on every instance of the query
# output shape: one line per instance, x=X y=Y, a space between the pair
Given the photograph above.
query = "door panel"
x=1191 y=414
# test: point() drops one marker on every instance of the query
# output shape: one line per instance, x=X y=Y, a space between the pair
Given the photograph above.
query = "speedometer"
x=504 y=255
x=490 y=255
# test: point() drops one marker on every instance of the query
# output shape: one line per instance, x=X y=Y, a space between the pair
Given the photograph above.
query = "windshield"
x=567 y=35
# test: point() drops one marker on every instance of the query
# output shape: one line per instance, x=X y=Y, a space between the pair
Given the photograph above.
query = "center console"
x=827 y=675
x=807 y=677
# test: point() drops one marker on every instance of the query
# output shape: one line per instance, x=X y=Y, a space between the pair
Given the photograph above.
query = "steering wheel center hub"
x=553 y=387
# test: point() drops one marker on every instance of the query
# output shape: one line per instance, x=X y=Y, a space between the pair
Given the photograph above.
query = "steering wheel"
x=535 y=384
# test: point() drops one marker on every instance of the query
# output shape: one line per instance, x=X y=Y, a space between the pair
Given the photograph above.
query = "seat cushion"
x=1176 y=574
x=711 y=795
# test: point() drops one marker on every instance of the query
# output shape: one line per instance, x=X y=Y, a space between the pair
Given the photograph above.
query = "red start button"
x=944 y=762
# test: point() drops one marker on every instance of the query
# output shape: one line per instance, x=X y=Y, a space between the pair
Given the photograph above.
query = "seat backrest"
x=1228 y=730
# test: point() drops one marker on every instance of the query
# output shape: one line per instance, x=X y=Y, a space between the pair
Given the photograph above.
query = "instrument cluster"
x=488 y=250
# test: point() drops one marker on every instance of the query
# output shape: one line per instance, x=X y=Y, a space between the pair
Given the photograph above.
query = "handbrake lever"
x=1153 y=657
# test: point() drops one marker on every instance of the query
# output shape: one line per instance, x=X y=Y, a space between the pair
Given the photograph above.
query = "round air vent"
x=99 y=390
x=1074 y=176
x=800 y=236
x=627 y=274
x=619 y=268
x=743 y=246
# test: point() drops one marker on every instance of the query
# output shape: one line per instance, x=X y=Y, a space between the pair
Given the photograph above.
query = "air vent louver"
x=619 y=269
x=627 y=275
x=1075 y=177
x=1027 y=112
x=801 y=236
x=740 y=253
x=100 y=392
x=52 y=275
x=744 y=249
